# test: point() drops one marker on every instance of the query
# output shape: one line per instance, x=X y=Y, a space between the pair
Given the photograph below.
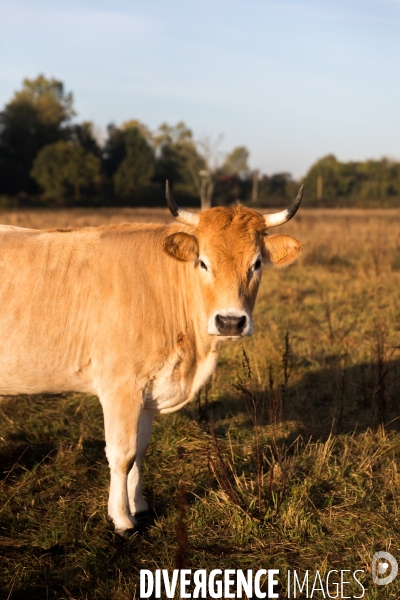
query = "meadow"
x=289 y=459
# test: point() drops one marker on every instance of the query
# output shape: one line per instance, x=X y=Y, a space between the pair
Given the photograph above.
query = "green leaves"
x=137 y=167
x=330 y=181
x=30 y=121
x=65 y=166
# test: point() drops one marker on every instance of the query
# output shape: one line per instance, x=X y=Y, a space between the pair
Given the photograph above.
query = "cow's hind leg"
x=135 y=492
x=121 y=419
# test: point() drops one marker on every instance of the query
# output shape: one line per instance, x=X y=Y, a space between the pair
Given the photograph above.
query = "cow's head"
x=227 y=247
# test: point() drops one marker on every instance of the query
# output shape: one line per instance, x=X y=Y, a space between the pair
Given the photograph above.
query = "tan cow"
x=133 y=313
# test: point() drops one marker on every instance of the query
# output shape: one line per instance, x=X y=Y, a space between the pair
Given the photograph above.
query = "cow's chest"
x=178 y=381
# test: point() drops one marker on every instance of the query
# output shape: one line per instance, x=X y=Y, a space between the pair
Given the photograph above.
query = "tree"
x=326 y=171
x=370 y=180
x=137 y=166
x=143 y=129
x=378 y=179
x=83 y=134
x=114 y=150
x=128 y=157
x=174 y=146
x=65 y=167
x=278 y=184
x=200 y=169
x=236 y=162
x=32 y=119
x=182 y=159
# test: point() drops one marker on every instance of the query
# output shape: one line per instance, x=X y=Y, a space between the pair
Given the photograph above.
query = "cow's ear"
x=181 y=246
x=281 y=250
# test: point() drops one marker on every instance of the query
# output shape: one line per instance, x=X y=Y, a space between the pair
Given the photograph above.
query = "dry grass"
x=82 y=217
x=309 y=480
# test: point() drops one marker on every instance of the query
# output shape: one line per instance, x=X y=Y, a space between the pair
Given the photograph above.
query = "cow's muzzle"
x=229 y=325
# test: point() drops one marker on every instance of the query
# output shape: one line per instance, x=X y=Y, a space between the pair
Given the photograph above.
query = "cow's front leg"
x=121 y=419
x=135 y=492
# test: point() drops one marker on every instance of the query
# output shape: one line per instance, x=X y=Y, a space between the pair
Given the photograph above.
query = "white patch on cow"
x=163 y=390
x=205 y=368
x=137 y=503
x=166 y=394
x=118 y=506
x=230 y=312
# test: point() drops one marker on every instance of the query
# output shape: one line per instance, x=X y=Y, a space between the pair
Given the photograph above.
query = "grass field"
x=289 y=460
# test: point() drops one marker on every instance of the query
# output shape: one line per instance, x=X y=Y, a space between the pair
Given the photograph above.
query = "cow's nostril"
x=230 y=325
x=220 y=323
x=242 y=323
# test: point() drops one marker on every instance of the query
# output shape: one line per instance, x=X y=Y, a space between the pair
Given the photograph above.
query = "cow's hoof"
x=125 y=534
x=125 y=527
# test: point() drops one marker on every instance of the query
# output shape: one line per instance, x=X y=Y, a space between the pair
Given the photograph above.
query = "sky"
x=290 y=80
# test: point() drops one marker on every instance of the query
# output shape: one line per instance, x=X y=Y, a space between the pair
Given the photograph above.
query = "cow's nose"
x=230 y=325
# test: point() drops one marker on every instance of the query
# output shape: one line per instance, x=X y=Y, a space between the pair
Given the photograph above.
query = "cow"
x=132 y=313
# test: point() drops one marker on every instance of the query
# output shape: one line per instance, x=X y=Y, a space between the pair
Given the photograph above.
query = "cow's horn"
x=281 y=217
x=183 y=216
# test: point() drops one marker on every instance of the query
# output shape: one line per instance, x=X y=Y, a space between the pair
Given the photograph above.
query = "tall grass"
x=289 y=460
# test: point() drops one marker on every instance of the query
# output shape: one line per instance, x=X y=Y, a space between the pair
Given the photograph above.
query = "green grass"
x=313 y=484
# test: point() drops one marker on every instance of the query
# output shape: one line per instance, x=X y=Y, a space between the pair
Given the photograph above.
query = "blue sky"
x=291 y=80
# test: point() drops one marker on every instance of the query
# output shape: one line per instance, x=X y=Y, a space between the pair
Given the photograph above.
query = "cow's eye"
x=203 y=265
x=257 y=264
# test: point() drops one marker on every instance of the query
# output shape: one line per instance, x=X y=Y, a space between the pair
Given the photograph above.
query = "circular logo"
x=381 y=561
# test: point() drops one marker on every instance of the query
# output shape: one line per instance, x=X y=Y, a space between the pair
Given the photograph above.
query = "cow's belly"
x=167 y=392
x=41 y=371
x=59 y=383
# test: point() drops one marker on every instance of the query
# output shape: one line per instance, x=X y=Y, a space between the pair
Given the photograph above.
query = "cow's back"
x=76 y=303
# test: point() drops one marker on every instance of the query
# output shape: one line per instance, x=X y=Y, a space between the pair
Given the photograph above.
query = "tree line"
x=47 y=158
